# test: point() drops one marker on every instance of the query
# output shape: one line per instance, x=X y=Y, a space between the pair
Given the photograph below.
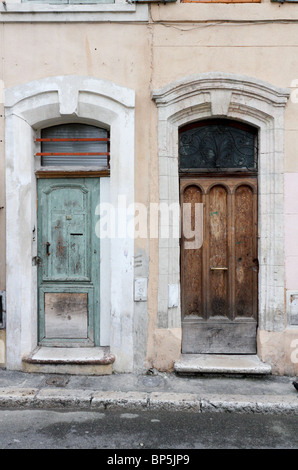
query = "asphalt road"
x=52 y=429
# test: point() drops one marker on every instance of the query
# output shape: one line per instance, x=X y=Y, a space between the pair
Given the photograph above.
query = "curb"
x=92 y=400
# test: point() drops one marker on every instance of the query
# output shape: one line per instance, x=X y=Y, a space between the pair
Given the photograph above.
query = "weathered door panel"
x=68 y=274
x=217 y=226
x=66 y=229
x=219 y=280
x=245 y=252
x=192 y=262
x=66 y=315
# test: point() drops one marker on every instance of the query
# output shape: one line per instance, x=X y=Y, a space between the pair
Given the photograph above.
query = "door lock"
x=48 y=246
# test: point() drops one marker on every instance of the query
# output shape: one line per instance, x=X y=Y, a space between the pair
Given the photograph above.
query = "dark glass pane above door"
x=218 y=145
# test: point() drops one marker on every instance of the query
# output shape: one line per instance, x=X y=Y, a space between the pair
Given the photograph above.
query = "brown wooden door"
x=220 y=280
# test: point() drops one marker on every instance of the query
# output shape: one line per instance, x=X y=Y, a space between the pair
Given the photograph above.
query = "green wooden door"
x=68 y=262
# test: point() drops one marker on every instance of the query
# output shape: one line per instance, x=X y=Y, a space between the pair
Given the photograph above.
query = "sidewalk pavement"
x=151 y=391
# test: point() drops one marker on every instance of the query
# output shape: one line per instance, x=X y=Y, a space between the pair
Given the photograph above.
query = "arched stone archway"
x=252 y=101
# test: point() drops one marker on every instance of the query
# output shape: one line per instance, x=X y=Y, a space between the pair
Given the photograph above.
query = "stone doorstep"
x=221 y=364
x=74 y=361
x=80 y=356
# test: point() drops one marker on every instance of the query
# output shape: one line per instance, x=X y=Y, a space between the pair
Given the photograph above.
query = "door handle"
x=218 y=269
x=48 y=246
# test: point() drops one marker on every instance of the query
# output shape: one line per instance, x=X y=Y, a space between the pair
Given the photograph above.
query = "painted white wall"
x=105 y=273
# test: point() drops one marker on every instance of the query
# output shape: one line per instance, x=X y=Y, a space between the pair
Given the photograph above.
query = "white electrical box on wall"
x=141 y=289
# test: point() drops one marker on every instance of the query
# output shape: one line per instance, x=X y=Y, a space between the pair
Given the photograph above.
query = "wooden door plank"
x=231 y=253
x=255 y=250
x=191 y=259
x=244 y=251
x=218 y=246
x=205 y=249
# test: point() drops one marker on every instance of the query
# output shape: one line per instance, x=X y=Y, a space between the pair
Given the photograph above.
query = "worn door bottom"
x=229 y=337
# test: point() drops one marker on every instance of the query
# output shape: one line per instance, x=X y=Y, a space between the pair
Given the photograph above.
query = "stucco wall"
x=182 y=49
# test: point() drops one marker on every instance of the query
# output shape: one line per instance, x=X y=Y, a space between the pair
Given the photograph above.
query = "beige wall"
x=264 y=51
x=180 y=40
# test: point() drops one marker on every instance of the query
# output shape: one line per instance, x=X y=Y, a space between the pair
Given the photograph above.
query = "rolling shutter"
x=74 y=145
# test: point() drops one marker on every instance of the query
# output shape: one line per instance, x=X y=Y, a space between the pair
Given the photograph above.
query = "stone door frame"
x=252 y=101
x=28 y=108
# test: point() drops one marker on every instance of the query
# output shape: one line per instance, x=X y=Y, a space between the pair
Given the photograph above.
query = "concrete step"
x=221 y=364
x=86 y=361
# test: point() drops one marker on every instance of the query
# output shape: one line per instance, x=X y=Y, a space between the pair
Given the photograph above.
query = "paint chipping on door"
x=66 y=315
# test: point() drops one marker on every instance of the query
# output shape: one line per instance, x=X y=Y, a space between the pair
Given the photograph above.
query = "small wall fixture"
x=2 y=309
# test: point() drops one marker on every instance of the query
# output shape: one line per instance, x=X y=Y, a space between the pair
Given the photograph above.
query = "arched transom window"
x=218 y=145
